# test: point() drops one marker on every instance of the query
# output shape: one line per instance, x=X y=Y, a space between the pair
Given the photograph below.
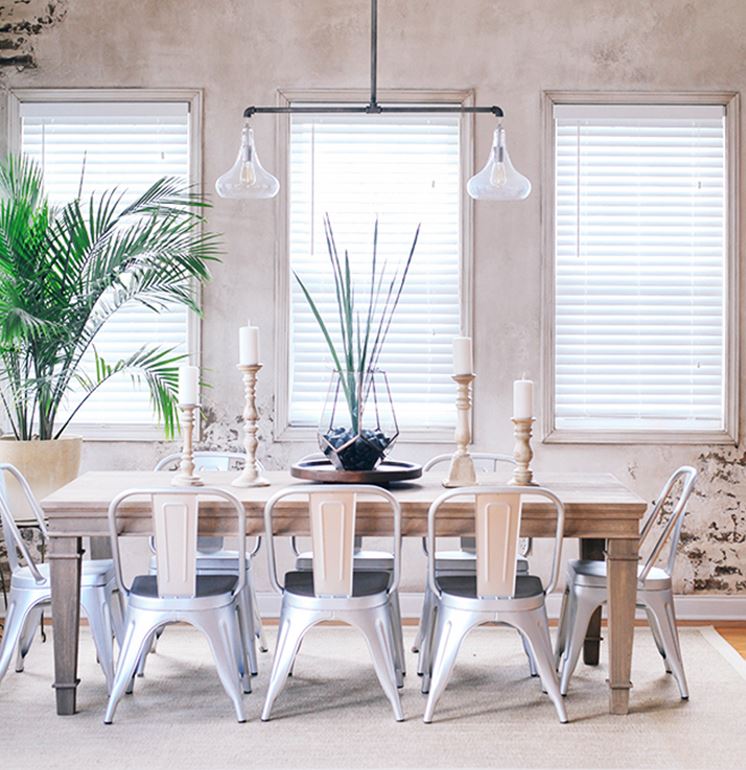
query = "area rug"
x=333 y=714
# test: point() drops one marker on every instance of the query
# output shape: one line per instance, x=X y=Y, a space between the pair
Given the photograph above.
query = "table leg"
x=101 y=547
x=65 y=566
x=593 y=549
x=622 y=559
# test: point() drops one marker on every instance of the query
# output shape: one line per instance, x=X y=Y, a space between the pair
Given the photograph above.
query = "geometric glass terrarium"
x=358 y=425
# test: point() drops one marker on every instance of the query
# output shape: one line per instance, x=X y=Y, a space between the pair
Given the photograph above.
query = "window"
x=642 y=299
x=126 y=142
x=404 y=170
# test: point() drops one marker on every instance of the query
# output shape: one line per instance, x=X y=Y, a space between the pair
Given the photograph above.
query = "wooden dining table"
x=599 y=510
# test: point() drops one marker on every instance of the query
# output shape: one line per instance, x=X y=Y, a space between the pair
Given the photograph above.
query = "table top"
x=596 y=505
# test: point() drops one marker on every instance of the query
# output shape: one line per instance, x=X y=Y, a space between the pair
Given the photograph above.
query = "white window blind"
x=640 y=248
x=127 y=145
x=405 y=170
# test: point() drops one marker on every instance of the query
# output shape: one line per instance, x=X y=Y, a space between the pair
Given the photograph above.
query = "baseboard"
x=700 y=608
x=704 y=609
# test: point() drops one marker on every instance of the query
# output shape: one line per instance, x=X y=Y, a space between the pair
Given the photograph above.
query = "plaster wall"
x=241 y=51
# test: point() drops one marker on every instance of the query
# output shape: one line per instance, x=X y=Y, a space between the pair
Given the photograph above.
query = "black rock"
x=363 y=452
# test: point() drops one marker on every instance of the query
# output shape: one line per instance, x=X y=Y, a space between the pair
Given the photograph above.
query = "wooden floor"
x=735 y=635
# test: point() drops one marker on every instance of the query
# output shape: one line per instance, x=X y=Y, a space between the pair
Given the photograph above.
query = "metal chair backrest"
x=208 y=461
x=332 y=511
x=497 y=513
x=13 y=538
x=176 y=514
x=484 y=462
x=205 y=461
x=682 y=479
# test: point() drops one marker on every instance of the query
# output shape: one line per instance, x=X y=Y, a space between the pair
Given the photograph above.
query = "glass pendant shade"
x=247 y=178
x=498 y=180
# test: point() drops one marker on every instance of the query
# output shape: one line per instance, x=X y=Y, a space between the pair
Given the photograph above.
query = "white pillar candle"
x=462 y=358
x=248 y=345
x=188 y=384
x=523 y=399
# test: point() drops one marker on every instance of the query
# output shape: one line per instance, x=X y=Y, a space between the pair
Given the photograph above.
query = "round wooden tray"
x=387 y=472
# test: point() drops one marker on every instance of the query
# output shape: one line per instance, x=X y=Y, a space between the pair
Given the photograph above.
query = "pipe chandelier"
x=248 y=179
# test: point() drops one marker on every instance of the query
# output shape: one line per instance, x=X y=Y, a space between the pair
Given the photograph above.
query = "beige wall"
x=509 y=51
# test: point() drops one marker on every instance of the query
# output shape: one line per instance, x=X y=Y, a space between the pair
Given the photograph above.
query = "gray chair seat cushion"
x=466 y=586
x=207 y=585
x=364 y=582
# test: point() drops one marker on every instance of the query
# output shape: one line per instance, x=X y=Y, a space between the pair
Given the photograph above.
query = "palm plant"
x=65 y=271
x=362 y=334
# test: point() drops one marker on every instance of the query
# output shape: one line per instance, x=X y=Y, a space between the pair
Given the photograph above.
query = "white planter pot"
x=47 y=465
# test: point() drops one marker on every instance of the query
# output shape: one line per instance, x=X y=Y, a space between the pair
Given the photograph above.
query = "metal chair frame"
x=215 y=614
x=214 y=559
x=587 y=588
x=461 y=562
x=371 y=614
x=457 y=615
x=31 y=590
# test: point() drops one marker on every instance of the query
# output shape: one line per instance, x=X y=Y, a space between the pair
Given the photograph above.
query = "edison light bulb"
x=499 y=180
x=247 y=178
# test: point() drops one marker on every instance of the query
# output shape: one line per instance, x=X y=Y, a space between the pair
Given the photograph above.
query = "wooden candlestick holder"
x=251 y=475
x=185 y=476
x=522 y=452
x=461 y=472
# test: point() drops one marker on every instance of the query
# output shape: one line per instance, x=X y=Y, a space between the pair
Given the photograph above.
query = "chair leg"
x=655 y=630
x=424 y=622
x=453 y=625
x=20 y=604
x=427 y=650
x=581 y=607
x=532 y=670
x=294 y=623
x=137 y=635
x=246 y=618
x=258 y=625
x=27 y=635
x=398 y=638
x=223 y=634
x=534 y=627
x=95 y=603
x=375 y=625
x=242 y=643
x=561 y=642
x=117 y=614
x=662 y=606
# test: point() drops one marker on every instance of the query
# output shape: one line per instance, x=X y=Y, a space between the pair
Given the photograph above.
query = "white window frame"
x=192 y=97
x=284 y=431
x=729 y=434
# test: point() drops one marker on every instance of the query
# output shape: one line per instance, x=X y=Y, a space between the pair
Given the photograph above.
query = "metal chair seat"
x=465 y=586
x=206 y=586
x=98 y=572
x=364 y=583
x=365 y=560
x=593 y=574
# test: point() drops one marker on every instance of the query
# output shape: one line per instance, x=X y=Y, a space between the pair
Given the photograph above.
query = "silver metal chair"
x=31 y=591
x=462 y=561
x=214 y=559
x=496 y=593
x=177 y=593
x=333 y=589
x=587 y=586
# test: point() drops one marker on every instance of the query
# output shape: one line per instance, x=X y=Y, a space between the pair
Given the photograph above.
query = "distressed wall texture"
x=509 y=51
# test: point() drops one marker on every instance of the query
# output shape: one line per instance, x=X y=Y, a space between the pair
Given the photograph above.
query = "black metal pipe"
x=373 y=52
x=363 y=109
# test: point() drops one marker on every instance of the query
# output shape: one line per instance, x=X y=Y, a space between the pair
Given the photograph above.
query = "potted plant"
x=64 y=271
x=358 y=424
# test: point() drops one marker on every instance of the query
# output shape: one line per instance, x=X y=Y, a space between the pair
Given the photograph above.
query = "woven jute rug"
x=333 y=714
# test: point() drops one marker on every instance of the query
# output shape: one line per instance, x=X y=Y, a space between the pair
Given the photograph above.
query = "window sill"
x=112 y=433
x=659 y=437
